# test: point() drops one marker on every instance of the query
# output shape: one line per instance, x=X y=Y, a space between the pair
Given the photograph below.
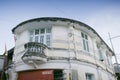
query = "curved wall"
x=66 y=43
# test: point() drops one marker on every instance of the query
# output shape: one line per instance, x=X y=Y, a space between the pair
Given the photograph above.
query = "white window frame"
x=108 y=60
x=32 y=36
x=85 y=42
x=100 y=54
x=91 y=75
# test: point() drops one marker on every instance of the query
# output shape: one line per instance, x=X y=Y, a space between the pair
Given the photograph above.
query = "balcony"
x=34 y=53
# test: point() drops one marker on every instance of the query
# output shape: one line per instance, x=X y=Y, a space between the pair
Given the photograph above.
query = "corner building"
x=53 y=48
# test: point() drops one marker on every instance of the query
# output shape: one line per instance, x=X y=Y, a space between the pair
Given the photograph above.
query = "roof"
x=62 y=19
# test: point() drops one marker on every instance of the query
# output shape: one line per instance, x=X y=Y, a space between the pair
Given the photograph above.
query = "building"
x=1 y=64
x=52 y=48
x=5 y=64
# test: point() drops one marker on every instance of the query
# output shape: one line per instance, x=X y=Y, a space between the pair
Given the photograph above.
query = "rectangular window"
x=85 y=42
x=89 y=76
x=100 y=54
x=48 y=30
x=31 y=36
x=42 y=35
x=48 y=40
x=42 y=31
x=74 y=75
x=108 y=60
x=41 y=39
x=31 y=39
x=36 y=31
x=36 y=38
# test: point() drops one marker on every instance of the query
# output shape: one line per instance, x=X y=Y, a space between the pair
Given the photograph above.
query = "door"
x=36 y=75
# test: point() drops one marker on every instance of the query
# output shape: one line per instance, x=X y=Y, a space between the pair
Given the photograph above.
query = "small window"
x=36 y=31
x=31 y=39
x=108 y=60
x=41 y=39
x=85 y=42
x=89 y=76
x=86 y=37
x=58 y=75
x=100 y=54
x=48 y=40
x=36 y=38
x=31 y=36
x=48 y=30
x=82 y=35
x=31 y=33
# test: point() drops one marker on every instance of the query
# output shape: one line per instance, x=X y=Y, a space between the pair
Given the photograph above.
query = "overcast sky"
x=102 y=15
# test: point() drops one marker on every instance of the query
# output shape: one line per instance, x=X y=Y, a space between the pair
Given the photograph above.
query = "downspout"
x=72 y=33
x=69 y=58
x=74 y=43
x=99 y=75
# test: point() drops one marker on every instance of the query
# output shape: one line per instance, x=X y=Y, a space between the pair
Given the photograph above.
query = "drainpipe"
x=72 y=34
x=74 y=43
x=69 y=69
x=99 y=74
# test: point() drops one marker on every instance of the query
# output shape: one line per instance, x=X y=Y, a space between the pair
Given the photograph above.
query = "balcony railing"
x=35 y=52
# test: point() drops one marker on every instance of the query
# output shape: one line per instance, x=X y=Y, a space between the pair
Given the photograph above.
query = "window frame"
x=85 y=42
x=100 y=54
x=45 y=34
x=91 y=75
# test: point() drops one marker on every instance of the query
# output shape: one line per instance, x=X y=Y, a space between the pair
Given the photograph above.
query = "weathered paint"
x=36 y=75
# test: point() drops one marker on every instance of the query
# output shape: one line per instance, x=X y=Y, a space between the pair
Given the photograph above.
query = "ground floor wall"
x=74 y=70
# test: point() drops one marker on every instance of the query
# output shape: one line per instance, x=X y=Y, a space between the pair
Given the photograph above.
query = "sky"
x=102 y=15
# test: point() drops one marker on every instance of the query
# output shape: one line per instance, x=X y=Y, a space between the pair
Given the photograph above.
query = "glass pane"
x=36 y=38
x=100 y=54
x=48 y=40
x=36 y=31
x=48 y=30
x=31 y=33
x=82 y=35
x=31 y=39
x=42 y=31
x=89 y=77
x=87 y=46
x=84 y=44
x=86 y=37
x=41 y=39
x=74 y=75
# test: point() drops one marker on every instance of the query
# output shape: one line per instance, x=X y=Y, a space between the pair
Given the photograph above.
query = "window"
x=31 y=36
x=58 y=75
x=100 y=54
x=42 y=35
x=85 y=42
x=108 y=60
x=74 y=75
x=89 y=76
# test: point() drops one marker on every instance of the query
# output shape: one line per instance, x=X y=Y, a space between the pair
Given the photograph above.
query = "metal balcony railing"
x=34 y=51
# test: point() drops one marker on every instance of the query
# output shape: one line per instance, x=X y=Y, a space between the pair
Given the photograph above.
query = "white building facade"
x=53 y=48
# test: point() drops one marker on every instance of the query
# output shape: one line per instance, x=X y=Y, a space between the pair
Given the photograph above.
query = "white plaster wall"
x=60 y=40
